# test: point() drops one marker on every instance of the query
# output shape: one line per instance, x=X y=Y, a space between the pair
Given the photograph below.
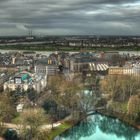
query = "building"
x=29 y=54
x=41 y=69
x=19 y=107
x=25 y=80
x=46 y=66
x=123 y=71
x=87 y=62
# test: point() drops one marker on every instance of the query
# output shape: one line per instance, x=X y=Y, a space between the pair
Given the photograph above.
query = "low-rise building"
x=29 y=54
x=123 y=71
x=25 y=80
x=46 y=66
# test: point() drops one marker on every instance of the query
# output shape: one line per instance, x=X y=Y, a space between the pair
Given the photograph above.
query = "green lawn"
x=59 y=130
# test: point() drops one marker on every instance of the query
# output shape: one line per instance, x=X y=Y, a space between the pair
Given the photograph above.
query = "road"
x=18 y=126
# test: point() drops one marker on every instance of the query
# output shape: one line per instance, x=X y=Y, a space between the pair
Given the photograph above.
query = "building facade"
x=25 y=81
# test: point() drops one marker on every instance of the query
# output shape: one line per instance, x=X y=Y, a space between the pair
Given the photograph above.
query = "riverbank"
x=68 y=125
x=59 y=130
x=65 y=125
x=121 y=117
x=65 y=48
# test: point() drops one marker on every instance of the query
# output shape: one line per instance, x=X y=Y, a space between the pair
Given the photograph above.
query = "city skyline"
x=70 y=17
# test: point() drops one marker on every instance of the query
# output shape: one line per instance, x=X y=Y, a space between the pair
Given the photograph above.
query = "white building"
x=26 y=80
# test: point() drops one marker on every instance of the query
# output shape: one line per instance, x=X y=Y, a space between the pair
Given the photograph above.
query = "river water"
x=49 y=52
x=98 y=127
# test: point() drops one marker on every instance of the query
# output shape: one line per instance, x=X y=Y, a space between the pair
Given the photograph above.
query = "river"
x=99 y=127
x=47 y=53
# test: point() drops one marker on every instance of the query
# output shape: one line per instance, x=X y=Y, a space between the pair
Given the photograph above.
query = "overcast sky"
x=70 y=17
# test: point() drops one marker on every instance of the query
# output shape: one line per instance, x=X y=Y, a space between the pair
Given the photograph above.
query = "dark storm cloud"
x=70 y=16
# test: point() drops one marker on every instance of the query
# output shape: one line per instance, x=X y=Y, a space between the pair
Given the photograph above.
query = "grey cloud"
x=70 y=16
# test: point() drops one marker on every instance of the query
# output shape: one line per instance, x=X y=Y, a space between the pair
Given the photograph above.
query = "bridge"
x=95 y=111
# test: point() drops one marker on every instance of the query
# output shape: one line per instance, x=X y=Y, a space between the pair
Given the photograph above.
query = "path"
x=42 y=127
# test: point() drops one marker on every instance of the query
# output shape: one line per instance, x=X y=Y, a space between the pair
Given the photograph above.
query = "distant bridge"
x=94 y=111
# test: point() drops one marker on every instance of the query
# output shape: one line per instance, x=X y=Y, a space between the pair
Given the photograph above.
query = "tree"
x=109 y=86
x=10 y=134
x=32 y=95
x=65 y=93
x=32 y=119
x=121 y=87
x=7 y=110
x=17 y=95
x=133 y=106
x=88 y=100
